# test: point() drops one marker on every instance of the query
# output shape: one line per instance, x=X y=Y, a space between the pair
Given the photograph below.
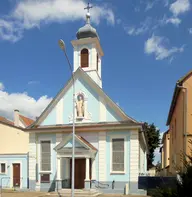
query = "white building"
x=110 y=146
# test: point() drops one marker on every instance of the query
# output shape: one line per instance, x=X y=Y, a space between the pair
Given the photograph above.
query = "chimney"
x=16 y=117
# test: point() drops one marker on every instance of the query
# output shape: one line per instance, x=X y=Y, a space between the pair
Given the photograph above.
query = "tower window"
x=84 y=58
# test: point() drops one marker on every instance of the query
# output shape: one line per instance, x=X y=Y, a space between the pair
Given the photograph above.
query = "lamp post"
x=63 y=48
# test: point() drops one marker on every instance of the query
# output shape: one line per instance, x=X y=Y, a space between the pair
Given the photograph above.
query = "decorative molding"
x=87 y=115
x=134 y=156
x=102 y=156
x=125 y=154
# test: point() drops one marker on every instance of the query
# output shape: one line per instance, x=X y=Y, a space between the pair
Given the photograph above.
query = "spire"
x=88 y=16
x=87 y=31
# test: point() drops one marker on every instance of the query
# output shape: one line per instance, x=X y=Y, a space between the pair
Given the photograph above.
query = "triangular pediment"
x=80 y=143
x=83 y=82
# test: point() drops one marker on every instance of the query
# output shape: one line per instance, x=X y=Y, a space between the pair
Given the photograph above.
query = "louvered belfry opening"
x=84 y=58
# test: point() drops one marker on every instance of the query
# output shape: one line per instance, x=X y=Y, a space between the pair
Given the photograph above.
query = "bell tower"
x=87 y=50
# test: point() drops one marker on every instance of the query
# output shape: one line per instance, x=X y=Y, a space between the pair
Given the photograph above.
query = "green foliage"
x=183 y=188
x=163 y=192
x=153 y=138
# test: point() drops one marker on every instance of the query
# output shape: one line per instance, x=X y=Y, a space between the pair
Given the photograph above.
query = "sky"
x=147 y=47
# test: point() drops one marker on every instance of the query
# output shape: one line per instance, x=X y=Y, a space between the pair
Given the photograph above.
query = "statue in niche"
x=80 y=105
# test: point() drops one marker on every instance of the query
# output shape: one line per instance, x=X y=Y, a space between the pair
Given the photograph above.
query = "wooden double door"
x=80 y=167
x=16 y=175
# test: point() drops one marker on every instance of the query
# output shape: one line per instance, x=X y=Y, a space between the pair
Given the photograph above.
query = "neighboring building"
x=14 y=148
x=110 y=147
x=165 y=154
x=180 y=122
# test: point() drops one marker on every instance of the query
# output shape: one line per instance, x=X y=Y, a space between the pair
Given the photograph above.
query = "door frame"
x=75 y=171
x=11 y=173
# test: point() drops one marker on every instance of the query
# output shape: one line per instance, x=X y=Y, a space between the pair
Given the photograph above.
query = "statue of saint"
x=80 y=105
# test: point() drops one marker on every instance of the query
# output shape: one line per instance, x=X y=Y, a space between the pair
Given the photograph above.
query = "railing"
x=100 y=185
x=8 y=178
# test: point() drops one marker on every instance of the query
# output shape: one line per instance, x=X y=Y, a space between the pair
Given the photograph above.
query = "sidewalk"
x=43 y=194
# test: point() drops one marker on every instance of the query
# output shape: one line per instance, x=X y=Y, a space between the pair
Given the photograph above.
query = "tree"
x=153 y=139
x=183 y=182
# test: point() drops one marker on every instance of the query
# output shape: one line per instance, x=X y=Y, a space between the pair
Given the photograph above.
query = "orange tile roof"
x=4 y=120
x=26 y=121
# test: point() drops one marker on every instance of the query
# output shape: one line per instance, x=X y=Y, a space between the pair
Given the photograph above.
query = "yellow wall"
x=165 y=155
x=188 y=85
x=166 y=145
x=176 y=134
x=176 y=127
x=13 y=140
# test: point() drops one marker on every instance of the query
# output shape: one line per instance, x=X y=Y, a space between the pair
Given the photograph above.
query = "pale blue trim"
x=51 y=118
x=69 y=144
x=9 y=160
x=52 y=138
x=111 y=115
x=92 y=103
x=118 y=177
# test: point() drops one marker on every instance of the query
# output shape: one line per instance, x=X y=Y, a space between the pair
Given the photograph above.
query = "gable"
x=91 y=101
x=51 y=118
x=69 y=144
x=97 y=105
x=80 y=142
x=111 y=115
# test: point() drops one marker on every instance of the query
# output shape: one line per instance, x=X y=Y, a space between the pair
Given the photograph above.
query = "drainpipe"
x=184 y=117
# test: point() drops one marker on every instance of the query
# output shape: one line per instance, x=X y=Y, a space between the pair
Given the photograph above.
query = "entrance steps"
x=78 y=193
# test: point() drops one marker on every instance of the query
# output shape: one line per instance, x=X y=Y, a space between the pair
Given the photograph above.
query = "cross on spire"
x=88 y=7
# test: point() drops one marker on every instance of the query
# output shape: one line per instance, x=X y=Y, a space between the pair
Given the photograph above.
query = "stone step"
x=77 y=193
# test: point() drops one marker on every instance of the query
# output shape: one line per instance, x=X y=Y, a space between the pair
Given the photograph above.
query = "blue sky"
x=147 y=46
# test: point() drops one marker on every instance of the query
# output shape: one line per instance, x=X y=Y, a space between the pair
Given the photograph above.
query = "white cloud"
x=190 y=30
x=27 y=105
x=180 y=6
x=1 y=86
x=150 y=4
x=173 y=20
x=141 y=29
x=33 y=82
x=30 y=14
x=156 y=45
x=166 y=3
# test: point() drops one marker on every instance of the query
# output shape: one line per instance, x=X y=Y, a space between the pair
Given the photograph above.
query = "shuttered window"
x=45 y=156
x=118 y=155
x=84 y=58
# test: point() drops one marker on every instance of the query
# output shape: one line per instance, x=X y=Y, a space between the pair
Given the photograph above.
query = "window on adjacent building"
x=84 y=58
x=2 y=168
x=118 y=155
x=45 y=178
x=45 y=156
